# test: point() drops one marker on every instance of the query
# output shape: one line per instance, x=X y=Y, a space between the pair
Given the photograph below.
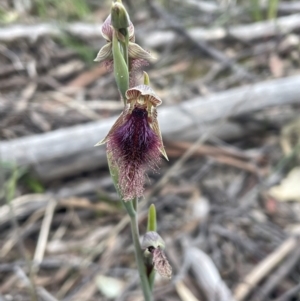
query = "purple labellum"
x=134 y=147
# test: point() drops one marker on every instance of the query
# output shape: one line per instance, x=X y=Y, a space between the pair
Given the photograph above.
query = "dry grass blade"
x=43 y=237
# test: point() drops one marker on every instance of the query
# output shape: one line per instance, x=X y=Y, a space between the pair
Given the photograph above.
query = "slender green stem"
x=140 y=259
x=151 y=279
x=129 y=206
x=135 y=204
x=125 y=48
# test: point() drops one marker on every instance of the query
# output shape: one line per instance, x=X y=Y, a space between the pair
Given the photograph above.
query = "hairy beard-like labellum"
x=134 y=146
x=134 y=143
x=161 y=263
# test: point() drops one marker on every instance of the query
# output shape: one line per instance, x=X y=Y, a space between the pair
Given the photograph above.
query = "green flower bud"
x=119 y=16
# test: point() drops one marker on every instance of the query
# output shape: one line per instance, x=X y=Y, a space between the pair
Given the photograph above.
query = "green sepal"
x=146 y=78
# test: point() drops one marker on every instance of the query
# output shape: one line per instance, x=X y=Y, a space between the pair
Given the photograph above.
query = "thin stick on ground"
x=287 y=266
x=264 y=268
x=43 y=237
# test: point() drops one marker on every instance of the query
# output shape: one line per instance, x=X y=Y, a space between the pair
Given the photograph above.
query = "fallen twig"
x=247 y=32
x=264 y=268
x=278 y=276
x=43 y=237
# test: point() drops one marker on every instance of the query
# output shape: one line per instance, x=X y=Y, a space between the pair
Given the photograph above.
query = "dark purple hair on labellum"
x=134 y=147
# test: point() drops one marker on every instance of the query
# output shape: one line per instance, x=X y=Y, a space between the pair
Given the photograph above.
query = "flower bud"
x=119 y=16
x=153 y=246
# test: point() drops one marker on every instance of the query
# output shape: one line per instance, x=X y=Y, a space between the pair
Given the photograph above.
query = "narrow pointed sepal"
x=156 y=129
x=105 y=53
x=137 y=52
x=101 y=142
x=163 y=152
x=117 y=124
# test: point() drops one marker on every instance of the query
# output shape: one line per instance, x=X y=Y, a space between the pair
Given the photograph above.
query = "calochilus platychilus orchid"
x=134 y=141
